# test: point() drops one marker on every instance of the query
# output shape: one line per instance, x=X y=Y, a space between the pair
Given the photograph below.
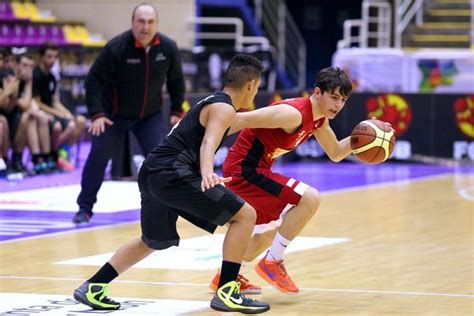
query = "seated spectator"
x=66 y=128
x=26 y=121
x=8 y=85
x=3 y=146
x=9 y=61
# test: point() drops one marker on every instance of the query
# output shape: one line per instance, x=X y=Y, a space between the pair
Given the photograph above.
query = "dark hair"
x=242 y=69
x=142 y=5
x=47 y=45
x=24 y=55
x=329 y=79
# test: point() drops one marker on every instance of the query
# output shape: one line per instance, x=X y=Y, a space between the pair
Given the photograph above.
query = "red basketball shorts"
x=271 y=194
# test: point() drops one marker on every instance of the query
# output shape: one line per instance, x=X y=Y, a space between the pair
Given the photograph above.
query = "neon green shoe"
x=229 y=299
x=95 y=295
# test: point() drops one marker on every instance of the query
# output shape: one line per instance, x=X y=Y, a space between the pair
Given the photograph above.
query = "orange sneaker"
x=65 y=165
x=245 y=286
x=274 y=272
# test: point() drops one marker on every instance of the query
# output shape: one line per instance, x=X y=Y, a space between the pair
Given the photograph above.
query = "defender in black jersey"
x=177 y=179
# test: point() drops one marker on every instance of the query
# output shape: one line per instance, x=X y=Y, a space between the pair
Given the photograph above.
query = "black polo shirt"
x=44 y=86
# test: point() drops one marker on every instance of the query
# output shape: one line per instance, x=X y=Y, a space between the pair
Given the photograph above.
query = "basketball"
x=372 y=141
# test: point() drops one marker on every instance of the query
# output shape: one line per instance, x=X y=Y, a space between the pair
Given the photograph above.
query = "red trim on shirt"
x=155 y=41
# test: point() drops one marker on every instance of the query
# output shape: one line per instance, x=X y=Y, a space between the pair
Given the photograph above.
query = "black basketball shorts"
x=167 y=194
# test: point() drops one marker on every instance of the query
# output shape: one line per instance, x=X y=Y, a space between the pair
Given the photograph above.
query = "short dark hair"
x=143 y=4
x=23 y=55
x=47 y=45
x=242 y=69
x=329 y=79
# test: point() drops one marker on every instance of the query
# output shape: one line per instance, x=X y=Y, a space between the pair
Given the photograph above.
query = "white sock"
x=278 y=248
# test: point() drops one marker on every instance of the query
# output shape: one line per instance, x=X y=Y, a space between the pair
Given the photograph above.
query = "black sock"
x=105 y=275
x=16 y=157
x=229 y=272
x=36 y=158
x=46 y=157
x=54 y=155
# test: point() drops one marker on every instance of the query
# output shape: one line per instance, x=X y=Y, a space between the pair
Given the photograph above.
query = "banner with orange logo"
x=393 y=70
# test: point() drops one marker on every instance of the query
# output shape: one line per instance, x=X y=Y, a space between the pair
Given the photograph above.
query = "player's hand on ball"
x=389 y=124
x=210 y=179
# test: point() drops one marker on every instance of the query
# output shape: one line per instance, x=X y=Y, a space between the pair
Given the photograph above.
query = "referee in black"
x=124 y=93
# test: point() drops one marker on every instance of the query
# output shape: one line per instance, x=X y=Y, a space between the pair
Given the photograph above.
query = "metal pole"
x=472 y=24
x=302 y=68
x=398 y=36
x=281 y=34
x=419 y=15
x=258 y=12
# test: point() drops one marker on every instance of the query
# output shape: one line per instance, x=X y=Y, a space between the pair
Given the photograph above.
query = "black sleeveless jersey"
x=181 y=147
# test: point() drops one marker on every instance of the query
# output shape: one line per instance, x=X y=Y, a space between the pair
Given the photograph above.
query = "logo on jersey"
x=133 y=61
x=205 y=99
x=160 y=57
x=278 y=152
x=301 y=136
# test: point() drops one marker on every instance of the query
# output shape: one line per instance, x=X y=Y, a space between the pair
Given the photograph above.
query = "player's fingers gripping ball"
x=372 y=141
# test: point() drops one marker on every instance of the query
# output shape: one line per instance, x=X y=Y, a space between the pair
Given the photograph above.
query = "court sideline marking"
x=388 y=183
x=329 y=192
x=467 y=193
x=309 y=289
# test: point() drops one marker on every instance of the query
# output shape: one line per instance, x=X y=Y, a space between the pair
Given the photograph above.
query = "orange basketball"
x=372 y=141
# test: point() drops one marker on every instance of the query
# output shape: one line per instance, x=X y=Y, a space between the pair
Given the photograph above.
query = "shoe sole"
x=80 y=222
x=264 y=276
x=76 y=221
x=248 y=291
x=221 y=307
x=78 y=296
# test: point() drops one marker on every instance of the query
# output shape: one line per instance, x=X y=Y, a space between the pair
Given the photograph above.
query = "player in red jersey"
x=283 y=205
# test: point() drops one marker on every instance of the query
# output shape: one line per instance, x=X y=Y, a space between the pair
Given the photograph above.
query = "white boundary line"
x=388 y=183
x=329 y=192
x=309 y=289
x=68 y=232
x=465 y=192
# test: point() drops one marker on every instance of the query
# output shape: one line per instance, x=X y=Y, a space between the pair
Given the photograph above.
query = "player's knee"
x=27 y=117
x=312 y=198
x=71 y=125
x=81 y=121
x=43 y=118
x=57 y=127
x=248 y=214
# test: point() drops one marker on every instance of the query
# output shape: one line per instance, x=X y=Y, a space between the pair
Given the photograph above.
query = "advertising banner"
x=394 y=70
x=432 y=125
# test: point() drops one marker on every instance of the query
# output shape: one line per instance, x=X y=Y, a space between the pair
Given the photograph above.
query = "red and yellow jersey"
x=257 y=148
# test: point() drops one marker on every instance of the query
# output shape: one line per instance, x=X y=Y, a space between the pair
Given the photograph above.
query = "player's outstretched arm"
x=216 y=118
x=276 y=116
x=335 y=149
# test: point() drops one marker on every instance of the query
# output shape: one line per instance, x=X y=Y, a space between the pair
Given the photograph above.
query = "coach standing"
x=124 y=93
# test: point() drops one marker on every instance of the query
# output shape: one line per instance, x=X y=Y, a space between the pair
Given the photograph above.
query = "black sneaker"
x=41 y=168
x=82 y=216
x=94 y=295
x=13 y=174
x=52 y=166
x=18 y=166
x=229 y=299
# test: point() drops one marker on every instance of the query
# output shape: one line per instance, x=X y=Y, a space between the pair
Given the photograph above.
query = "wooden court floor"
x=410 y=251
